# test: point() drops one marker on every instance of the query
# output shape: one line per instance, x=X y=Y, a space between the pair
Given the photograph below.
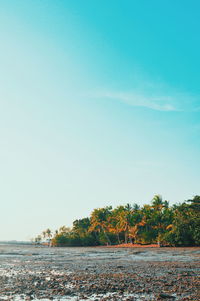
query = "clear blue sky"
x=99 y=105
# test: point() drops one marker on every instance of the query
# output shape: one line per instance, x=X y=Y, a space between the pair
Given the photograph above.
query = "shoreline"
x=128 y=246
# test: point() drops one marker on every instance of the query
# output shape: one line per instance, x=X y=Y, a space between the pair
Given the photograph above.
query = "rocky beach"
x=42 y=273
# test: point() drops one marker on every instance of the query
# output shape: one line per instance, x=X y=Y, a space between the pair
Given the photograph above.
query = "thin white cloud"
x=139 y=100
x=167 y=103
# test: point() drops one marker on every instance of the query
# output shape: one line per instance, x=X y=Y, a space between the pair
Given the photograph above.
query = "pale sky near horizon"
x=99 y=105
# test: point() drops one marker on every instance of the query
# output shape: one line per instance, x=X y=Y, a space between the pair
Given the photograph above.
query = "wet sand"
x=42 y=273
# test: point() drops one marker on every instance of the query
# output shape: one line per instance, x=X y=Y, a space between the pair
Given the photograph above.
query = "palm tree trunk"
x=125 y=237
x=118 y=238
x=96 y=236
x=108 y=239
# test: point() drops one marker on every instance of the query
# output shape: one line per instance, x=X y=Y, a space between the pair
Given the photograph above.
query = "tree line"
x=157 y=222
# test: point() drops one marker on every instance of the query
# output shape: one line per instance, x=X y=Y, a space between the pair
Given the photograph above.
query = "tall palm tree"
x=160 y=216
x=125 y=217
x=157 y=202
x=114 y=220
x=99 y=221
x=49 y=236
x=49 y=233
x=44 y=234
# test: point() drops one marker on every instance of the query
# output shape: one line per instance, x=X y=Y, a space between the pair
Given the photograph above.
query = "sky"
x=99 y=105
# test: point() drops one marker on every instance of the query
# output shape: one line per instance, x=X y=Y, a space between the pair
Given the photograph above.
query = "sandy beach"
x=42 y=273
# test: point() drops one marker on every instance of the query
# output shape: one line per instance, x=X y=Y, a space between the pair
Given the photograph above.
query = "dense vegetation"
x=178 y=225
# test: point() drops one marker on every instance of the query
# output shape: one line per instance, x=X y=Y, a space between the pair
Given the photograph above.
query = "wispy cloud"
x=140 y=100
x=177 y=102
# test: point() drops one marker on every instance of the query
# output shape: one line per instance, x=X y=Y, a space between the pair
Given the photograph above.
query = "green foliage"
x=178 y=225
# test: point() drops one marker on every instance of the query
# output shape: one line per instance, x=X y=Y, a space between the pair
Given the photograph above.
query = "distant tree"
x=49 y=233
x=44 y=234
x=38 y=239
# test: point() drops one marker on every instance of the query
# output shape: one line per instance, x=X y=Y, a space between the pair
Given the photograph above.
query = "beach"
x=99 y=273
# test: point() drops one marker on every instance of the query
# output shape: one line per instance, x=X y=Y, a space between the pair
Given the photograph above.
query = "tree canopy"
x=157 y=222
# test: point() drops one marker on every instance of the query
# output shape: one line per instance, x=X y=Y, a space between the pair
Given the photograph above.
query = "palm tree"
x=126 y=221
x=99 y=221
x=161 y=216
x=38 y=239
x=44 y=234
x=49 y=235
x=157 y=202
x=114 y=223
x=63 y=230
x=136 y=222
x=81 y=226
